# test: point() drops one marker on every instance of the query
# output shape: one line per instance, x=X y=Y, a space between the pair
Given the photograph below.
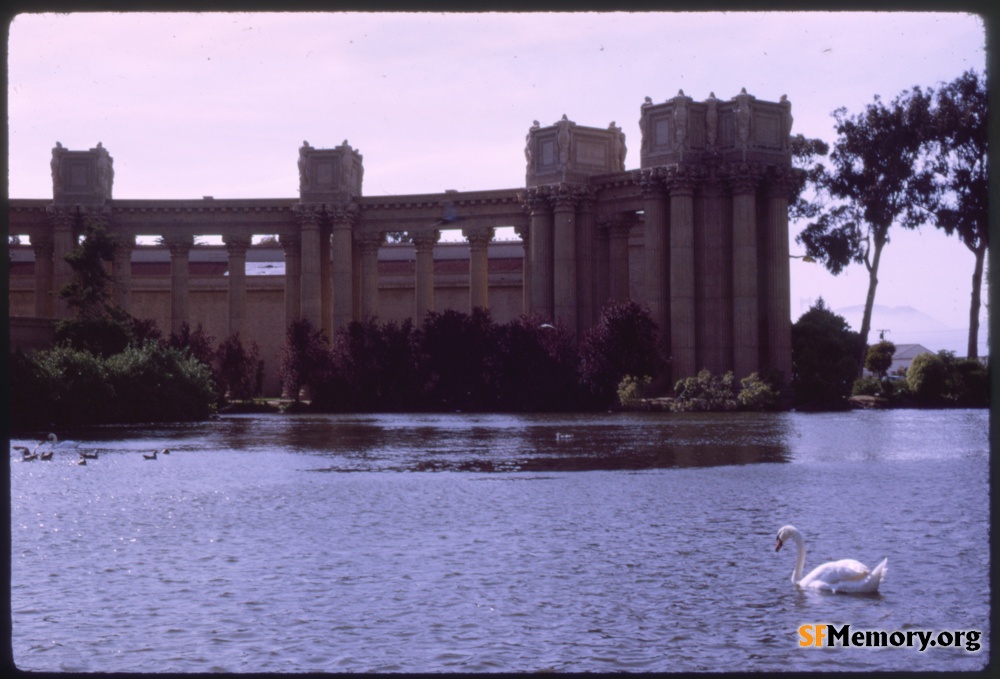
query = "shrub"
x=625 y=341
x=455 y=350
x=879 y=358
x=705 y=392
x=824 y=363
x=65 y=387
x=305 y=358
x=756 y=394
x=927 y=379
x=159 y=383
x=866 y=386
x=632 y=390
x=240 y=369
x=534 y=367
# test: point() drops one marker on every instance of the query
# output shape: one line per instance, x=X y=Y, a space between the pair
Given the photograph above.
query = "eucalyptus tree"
x=880 y=174
x=960 y=202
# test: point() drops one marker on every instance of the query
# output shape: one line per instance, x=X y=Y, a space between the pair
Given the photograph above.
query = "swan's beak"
x=778 y=547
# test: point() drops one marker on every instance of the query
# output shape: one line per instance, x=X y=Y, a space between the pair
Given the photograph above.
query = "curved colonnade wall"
x=698 y=233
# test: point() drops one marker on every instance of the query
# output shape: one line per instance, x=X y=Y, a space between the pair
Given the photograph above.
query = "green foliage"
x=199 y=345
x=87 y=293
x=756 y=394
x=879 y=358
x=624 y=341
x=157 y=383
x=940 y=380
x=455 y=350
x=824 y=359
x=705 y=393
x=881 y=176
x=240 y=368
x=65 y=387
x=632 y=390
x=534 y=367
x=369 y=367
x=866 y=386
x=960 y=200
x=305 y=358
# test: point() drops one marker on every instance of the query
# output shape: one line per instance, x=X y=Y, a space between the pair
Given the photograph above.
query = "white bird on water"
x=54 y=442
x=846 y=576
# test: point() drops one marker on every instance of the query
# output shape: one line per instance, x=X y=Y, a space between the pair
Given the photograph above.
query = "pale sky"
x=191 y=105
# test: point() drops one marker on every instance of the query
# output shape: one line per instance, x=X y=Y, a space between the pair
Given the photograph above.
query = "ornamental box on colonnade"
x=698 y=233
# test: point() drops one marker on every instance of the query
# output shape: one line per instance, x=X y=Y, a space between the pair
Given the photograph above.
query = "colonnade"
x=709 y=205
x=331 y=270
x=714 y=266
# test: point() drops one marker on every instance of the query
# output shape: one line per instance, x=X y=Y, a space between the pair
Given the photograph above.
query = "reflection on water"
x=621 y=542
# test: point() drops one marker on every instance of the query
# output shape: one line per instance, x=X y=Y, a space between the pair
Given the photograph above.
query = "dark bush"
x=535 y=367
x=625 y=341
x=824 y=359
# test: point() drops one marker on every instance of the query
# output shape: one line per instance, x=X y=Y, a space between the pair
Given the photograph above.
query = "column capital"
x=179 y=245
x=743 y=177
x=100 y=214
x=370 y=241
x=236 y=244
x=650 y=182
x=680 y=180
x=308 y=216
x=61 y=216
x=565 y=197
x=537 y=199
x=478 y=236
x=343 y=214
x=781 y=181
x=424 y=241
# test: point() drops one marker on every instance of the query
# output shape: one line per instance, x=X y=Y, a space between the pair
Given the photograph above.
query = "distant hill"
x=907 y=325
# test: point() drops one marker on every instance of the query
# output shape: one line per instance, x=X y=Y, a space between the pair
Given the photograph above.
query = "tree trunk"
x=866 y=319
x=977 y=284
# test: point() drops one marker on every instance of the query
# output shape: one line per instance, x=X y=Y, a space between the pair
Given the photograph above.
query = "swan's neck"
x=800 y=558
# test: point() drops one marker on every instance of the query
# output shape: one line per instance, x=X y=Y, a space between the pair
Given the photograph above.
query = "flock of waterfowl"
x=53 y=443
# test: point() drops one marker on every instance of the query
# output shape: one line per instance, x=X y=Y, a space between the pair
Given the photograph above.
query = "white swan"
x=54 y=442
x=846 y=576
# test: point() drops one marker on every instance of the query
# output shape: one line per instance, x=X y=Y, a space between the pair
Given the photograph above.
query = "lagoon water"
x=444 y=543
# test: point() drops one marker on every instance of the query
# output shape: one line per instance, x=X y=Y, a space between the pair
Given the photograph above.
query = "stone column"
x=292 y=245
x=342 y=223
x=746 y=319
x=479 y=266
x=586 y=288
x=541 y=252
x=525 y=235
x=618 y=234
x=683 y=339
x=180 y=247
x=236 y=248
x=42 y=246
x=655 y=263
x=564 y=285
x=326 y=281
x=775 y=262
x=63 y=241
x=714 y=274
x=369 y=244
x=600 y=266
x=310 y=285
x=121 y=270
x=423 y=282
